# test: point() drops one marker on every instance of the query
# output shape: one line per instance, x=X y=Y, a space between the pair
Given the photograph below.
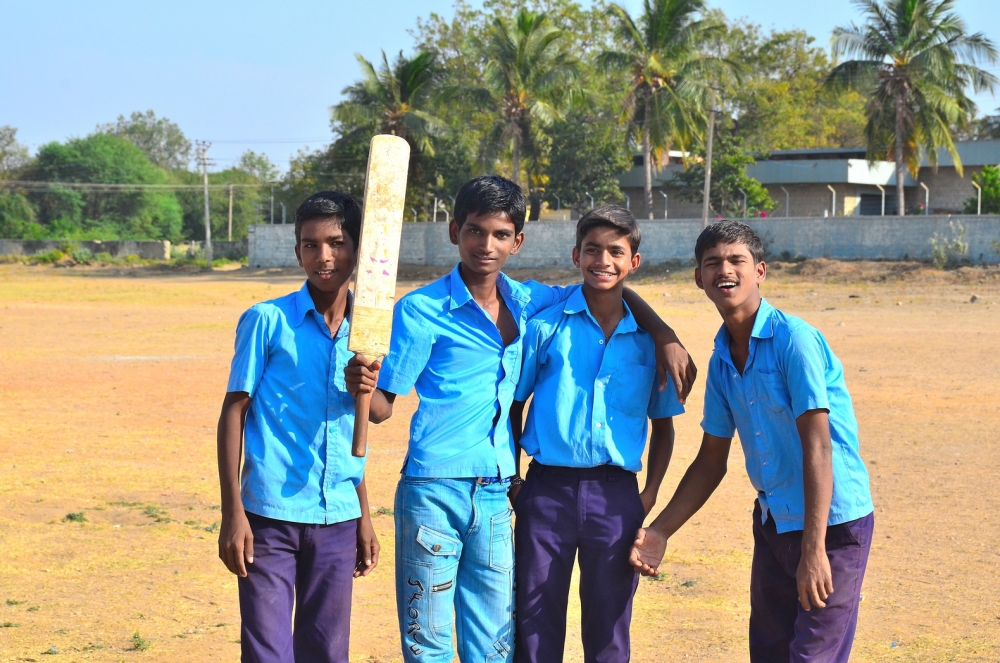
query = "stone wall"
x=152 y=250
x=549 y=243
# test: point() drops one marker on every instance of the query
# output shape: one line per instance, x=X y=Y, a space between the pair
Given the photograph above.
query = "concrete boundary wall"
x=151 y=250
x=548 y=243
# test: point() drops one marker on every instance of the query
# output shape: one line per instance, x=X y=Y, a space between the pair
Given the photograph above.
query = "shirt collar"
x=304 y=303
x=763 y=327
x=460 y=295
x=577 y=303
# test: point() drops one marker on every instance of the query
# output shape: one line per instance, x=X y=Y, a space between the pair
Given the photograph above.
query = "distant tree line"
x=559 y=97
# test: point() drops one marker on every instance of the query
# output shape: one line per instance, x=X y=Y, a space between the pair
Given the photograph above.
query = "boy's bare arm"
x=368 y=547
x=814 y=578
x=661 y=448
x=671 y=357
x=361 y=376
x=235 y=537
x=517 y=428
x=698 y=484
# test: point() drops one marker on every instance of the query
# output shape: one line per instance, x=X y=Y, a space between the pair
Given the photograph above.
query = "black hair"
x=490 y=194
x=326 y=205
x=729 y=231
x=610 y=216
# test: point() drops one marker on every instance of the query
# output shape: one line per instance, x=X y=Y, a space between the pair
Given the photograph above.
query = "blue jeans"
x=454 y=567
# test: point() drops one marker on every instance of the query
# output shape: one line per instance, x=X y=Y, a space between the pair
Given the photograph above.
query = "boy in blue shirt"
x=592 y=371
x=774 y=378
x=457 y=341
x=295 y=525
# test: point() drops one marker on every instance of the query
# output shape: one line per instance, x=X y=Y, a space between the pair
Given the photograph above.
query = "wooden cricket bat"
x=378 y=256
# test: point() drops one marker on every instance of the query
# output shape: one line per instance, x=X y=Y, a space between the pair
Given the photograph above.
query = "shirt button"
x=598 y=424
x=736 y=375
x=771 y=494
x=758 y=433
x=601 y=342
x=765 y=462
x=751 y=402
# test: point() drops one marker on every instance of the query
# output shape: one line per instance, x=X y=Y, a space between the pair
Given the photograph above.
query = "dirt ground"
x=110 y=387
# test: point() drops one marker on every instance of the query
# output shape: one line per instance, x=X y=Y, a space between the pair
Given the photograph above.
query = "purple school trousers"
x=310 y=567
x=561 y=513
x=781 y=631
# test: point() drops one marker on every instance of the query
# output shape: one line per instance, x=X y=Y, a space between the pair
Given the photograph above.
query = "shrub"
x=82 y=256
x=950 y=252
x=49 y=257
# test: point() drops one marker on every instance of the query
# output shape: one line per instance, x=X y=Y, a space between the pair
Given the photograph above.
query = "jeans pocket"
x=436 y=543
x=502 y=542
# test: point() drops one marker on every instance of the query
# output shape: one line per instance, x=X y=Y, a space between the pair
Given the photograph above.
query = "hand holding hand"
x=361 y=375
x=236 y=543
x=647 y=551
x=368 y=547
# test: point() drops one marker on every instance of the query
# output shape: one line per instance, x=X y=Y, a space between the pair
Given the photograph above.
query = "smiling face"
x=730 y=278
x=485 y=241
x=326 y=253
x=605 y=258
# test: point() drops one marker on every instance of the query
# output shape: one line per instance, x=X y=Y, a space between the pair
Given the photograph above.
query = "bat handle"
x=359 y=446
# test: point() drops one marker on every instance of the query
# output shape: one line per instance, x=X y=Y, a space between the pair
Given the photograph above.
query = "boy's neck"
x=739 y=323
x=331 y=305
x=482 y=287
x=607 y=306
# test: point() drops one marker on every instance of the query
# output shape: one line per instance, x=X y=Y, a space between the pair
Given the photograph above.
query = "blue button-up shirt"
x=297 y=443
x=592 y=399
x=447 y=347
x=791 y=369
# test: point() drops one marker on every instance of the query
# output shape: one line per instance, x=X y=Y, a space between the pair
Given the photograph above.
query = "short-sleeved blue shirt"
x=592 y=399
x=791 y=369
x=298 y=465
x=448 y=348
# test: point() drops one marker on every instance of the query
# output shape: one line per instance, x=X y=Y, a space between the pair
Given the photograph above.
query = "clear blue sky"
x=252 y=75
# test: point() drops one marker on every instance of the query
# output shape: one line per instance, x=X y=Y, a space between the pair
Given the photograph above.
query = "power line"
x=107 y=186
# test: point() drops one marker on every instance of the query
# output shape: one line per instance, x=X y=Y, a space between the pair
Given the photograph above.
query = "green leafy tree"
x=80 y=214
x=526 y=82
x=160 y=139
x=914 y=61
x=13 y=155
x=258 y=166
x=989 y=180
x=587 y=157
x=667 y=70
x=729 y=176
x=779 y=102
x=17 y=217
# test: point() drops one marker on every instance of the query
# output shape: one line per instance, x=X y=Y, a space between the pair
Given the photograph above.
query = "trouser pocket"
x=501 y=542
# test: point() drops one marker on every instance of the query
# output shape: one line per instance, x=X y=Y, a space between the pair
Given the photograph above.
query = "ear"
x=697 y=278
x=636 y=261
x=518 y=240
x=298 y=254
x=453 y=232
x=576 y=257
x=761 y=271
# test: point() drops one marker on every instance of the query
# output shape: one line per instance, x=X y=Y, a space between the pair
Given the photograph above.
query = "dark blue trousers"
x=310 y=567
x=564 y=514
x=781 y=631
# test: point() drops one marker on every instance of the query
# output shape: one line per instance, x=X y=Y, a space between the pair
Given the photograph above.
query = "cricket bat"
x=378 y=256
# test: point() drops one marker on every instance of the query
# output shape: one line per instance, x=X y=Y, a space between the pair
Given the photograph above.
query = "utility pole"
x=230 y=212
x=708 y=158
x=203 y=155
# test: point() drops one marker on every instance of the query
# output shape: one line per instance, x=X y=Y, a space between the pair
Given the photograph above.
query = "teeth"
x=726 y=284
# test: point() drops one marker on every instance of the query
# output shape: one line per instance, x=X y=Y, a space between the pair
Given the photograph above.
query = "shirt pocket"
x=630 y=388
x=773 y=392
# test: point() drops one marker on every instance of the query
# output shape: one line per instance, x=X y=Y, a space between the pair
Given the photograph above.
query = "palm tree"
x=527 y=76
x=393 y=100
x=667 y=75
x=914 y=61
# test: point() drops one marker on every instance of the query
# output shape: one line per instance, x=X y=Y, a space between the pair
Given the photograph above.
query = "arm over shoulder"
x=543 y=296
x=533 y=355
x=409 y=349
x=253 y=338
x=804 y=357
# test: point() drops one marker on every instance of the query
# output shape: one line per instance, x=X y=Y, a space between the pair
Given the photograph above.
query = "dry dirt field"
x=110 y=387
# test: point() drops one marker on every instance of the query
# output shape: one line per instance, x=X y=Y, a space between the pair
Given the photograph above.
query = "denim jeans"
x=454 y=569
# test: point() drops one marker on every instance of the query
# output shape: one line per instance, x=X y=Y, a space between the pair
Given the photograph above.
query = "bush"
x=82 y=256
x=49 y=257
x=951 y=252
